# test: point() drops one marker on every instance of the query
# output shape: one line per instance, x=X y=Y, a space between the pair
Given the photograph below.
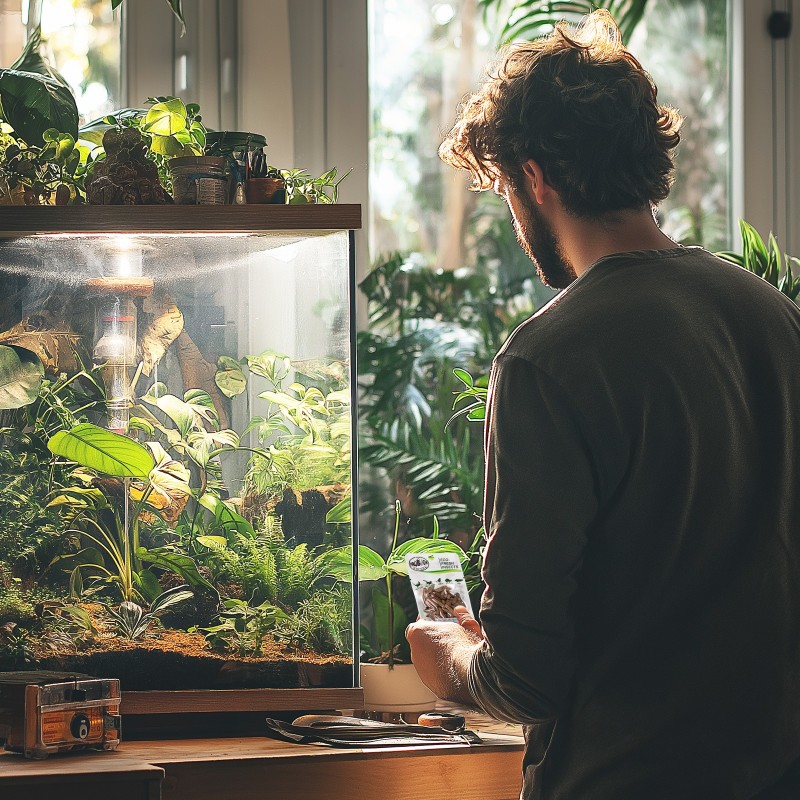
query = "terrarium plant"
x=303 y=467
x=114 y=554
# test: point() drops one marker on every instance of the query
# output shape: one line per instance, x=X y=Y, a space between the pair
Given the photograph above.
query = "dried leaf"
x=55 y=347
x=163 y=330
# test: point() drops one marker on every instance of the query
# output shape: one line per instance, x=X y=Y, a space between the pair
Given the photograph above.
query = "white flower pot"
x=397 y=690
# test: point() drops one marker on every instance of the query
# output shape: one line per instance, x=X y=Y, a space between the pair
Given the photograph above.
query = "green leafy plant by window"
x=764 y=259
x=389 y=617
x=527 y=19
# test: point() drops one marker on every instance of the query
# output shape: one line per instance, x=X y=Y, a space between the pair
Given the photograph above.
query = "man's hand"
x=441 y=652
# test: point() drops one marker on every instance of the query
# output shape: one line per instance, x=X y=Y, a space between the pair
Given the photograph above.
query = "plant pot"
x=397 y=690
x=266 y=190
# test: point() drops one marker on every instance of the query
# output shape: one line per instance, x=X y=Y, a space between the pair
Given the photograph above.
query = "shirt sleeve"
x=539 y=504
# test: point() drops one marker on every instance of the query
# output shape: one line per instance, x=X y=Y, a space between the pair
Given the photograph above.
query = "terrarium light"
x=127 y=257
x=147 y=235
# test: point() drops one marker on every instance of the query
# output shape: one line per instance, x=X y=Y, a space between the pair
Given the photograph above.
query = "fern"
x=322 y=623
x=446 y=475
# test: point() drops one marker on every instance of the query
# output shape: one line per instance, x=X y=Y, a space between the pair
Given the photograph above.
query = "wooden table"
x=240 y=769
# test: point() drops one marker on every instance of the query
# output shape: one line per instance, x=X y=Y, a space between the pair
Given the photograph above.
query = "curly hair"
x=580 y=105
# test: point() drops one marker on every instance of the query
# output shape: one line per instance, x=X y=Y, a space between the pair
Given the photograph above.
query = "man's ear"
x=534 y=177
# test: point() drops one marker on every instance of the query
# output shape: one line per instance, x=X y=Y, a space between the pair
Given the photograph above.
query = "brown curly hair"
x=578 y=103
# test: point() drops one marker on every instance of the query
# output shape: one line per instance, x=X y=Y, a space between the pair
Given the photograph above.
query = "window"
x=81 y=38
x=426 y=55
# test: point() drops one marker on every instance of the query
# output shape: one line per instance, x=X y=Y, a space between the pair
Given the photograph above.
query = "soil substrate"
x=176 y=659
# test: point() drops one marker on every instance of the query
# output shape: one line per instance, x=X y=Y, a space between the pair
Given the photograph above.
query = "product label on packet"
x=438 y=584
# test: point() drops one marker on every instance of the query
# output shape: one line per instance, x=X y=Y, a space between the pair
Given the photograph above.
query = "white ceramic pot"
x=397 y=690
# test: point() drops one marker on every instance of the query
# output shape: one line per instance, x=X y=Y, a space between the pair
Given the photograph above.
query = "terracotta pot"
x=396 y=690
x=266 y=190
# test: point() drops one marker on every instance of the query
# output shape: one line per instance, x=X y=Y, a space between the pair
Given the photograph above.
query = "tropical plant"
x=112 y=526
x=389 y=618
x=527 y=19
x=424 y=323
x=305 y=431
x=302 y=188
x=764 y=259
x=132 y=622
x=21 y=375
x=242 y=627
x=170 y=128
x=30 y=532
x=34 y=97
x=16 y=648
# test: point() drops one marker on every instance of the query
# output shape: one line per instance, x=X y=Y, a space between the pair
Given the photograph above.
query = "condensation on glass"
x=228 y=357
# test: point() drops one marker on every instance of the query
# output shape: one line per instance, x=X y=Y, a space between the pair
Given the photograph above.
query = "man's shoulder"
x=643 y=292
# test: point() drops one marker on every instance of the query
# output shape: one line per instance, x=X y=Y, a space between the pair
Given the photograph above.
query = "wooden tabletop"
x=197 y=769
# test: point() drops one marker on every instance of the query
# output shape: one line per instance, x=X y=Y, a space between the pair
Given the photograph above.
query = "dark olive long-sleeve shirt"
x=642 y=610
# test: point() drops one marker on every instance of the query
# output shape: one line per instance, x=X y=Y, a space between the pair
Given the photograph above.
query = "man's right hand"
x=467 y=621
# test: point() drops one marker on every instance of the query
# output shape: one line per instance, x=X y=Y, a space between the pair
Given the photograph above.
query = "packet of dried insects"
x=438 y=584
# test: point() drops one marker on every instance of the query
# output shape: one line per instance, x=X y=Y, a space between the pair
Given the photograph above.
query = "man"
x=642 y=608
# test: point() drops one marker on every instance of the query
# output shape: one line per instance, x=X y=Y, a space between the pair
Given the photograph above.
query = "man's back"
x=650 y=578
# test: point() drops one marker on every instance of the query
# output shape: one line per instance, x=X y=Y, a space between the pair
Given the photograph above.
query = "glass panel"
x=228 y=358
x=685 y=47
x=81 y=39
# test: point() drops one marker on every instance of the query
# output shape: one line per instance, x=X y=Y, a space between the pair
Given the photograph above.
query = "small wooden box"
x=50 y=712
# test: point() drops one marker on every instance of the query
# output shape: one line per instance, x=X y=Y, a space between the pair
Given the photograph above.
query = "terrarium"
x=176 y=470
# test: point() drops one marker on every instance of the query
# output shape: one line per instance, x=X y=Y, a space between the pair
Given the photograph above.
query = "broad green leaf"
x=165 y=119
x=179 y=563
x=41 y=107
x=179 y=412
x=170 y=598
x=166 y=146
x=147 y=583
x=341 y=513
x=213 y=542
x=103 y=451
x=78 y=497
x=21 y=374
x=463 y=376
x=422 y=546
x=338 y=563
x=230 y=377
x=33 y=103
x=227 y=520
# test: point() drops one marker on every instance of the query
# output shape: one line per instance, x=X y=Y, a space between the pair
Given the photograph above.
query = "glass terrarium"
x=176 y=471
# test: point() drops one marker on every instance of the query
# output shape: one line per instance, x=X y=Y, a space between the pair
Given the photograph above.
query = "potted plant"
x=302 y=188
x=389 y=679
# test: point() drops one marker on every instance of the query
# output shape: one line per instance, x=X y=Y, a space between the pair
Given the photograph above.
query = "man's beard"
x=537 y=238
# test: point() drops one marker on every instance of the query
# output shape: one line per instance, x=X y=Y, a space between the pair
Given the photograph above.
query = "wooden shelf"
x=16 y=221
x=227 y=700
x=241 y=768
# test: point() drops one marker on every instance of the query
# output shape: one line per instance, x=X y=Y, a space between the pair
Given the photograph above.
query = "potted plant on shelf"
x=389 y=679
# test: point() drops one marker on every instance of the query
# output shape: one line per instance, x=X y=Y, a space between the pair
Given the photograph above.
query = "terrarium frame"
x=291 y=222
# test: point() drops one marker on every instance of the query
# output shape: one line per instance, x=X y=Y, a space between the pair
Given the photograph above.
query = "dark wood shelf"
x=16 y=221
x=227 y=700
x=241 y=768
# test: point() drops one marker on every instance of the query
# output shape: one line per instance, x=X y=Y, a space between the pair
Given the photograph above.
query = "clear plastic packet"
x=438 y=584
